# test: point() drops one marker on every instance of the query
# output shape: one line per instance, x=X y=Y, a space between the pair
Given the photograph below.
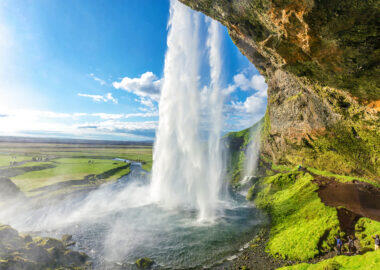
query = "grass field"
x=36 y=166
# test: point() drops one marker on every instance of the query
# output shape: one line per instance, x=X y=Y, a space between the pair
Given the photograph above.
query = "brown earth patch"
x=353 y=200
x=359 y=197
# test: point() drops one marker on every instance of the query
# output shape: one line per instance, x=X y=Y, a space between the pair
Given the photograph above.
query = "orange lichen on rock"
x=375 y=105
x=290 y=20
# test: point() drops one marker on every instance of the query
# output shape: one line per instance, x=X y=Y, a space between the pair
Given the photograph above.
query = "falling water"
x=252 y=153
x=187 y=171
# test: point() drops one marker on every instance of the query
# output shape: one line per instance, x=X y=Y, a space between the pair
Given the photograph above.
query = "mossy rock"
x=48 y=243
x=144 y=263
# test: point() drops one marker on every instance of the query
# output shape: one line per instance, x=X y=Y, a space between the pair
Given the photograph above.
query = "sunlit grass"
x=368 y=261
x=6 y=159
x=65 y=169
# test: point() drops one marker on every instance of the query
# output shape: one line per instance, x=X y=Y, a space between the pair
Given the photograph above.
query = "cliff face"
x=320 y=60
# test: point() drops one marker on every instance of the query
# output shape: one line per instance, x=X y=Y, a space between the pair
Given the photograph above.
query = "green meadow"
x=38 y=168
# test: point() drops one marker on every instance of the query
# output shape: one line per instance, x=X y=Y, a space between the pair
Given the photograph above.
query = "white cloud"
x=147 y=102
x=252 y=105
x=145 y=129
x=99 y=98
x=147 y=86
x=102 y=82
x=257 y=82
x=145 y=114
x=45 y=123
x=245 y=113
x=108 y=115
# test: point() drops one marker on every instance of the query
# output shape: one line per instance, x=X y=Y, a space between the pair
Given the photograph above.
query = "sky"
x=93 y=69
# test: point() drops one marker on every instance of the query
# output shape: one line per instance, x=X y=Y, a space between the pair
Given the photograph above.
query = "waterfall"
x=188 y=169
x=252 y=152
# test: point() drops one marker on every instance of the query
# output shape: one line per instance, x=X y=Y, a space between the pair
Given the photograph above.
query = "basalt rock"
x=320 y=60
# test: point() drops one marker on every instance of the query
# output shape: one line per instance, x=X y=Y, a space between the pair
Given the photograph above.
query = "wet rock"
x=27 y=238
x=67 y=238
x=18 y=263
x=48 y=242
x=10 y=238
x=144 y=263
x=36 y=254
x=74 y=258
x=18 y=252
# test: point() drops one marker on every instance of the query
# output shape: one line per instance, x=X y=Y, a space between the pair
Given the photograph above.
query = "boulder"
x=74 y=258
x=49 y=243
x=144 y=263
x=10 y=238
x=18 y=252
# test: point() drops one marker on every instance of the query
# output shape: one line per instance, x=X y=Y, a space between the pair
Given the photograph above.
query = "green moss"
x=283 y=168
x=251 y=192
x=266 y=126
x=343 y=178
x=302 y=226
x=144 y=263
x=368 y=261
x=365 y=229
x=346 y=148
x=296 y=96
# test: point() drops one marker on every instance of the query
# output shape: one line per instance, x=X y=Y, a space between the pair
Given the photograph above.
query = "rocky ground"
x=19 y=251
x=255 y=257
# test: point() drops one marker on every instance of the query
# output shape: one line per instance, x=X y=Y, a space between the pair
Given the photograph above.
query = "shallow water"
x=118 y=223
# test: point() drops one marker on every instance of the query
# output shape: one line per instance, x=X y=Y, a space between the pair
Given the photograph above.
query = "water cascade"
x=252 y=154
x=188 y=170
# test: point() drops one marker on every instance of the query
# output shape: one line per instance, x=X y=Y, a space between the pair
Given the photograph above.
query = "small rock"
x=144 y=263
x=67 y=237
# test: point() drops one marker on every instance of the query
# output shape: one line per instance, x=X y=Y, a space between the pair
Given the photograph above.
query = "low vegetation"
x=302 y=226
x=368 y=261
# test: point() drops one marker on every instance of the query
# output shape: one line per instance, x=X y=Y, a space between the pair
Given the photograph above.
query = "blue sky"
x=93 y=69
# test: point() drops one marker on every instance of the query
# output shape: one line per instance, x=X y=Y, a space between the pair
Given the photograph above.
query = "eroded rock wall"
x=320 y=60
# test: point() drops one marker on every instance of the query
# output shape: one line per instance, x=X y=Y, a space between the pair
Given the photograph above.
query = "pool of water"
x=118 y=223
